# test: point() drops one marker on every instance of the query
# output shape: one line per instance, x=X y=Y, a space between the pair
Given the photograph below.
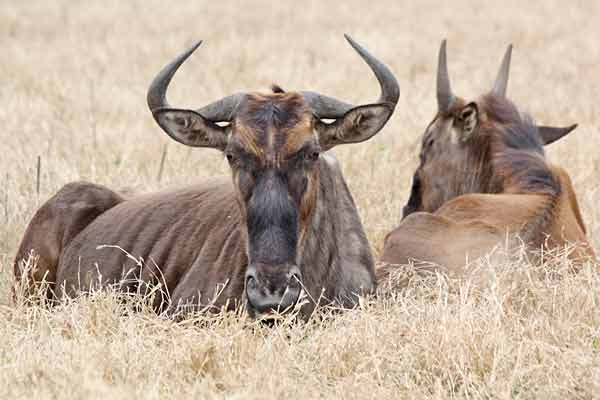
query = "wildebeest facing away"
x=483 y=177
x=287 y=223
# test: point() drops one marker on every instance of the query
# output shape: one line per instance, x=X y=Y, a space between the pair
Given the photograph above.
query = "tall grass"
x=72 y=95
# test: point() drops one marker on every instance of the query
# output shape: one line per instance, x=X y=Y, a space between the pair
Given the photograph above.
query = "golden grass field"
x=72 y=92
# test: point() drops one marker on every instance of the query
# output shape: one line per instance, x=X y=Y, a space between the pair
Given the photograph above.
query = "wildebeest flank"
x=483 y=175
x=288 y=221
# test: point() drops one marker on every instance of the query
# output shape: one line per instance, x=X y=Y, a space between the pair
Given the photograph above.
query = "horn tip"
x=443 y=48
x=357 y=47
x=509 y=49
x=351 y=41
x=196 y=44
x=508 y=55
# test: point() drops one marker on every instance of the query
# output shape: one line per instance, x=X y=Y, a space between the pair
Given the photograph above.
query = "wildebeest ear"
x=551 y=134
x=191 y=128
x=467 y=119
x=357 y=125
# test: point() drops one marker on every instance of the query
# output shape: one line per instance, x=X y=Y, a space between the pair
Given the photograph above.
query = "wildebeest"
x=288 y=222
x=483 y=177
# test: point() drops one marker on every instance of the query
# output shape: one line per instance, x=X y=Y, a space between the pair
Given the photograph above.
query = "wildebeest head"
x=459 y=144
x=273 y=143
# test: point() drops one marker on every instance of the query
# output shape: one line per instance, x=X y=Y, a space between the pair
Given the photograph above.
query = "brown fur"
x=49 y=232
x=273 y=126
x=472 y=194
x=194 y=241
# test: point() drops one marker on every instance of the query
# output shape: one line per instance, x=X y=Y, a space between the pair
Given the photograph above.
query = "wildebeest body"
x=191 y=241
x=283 y=223
x=484 y=182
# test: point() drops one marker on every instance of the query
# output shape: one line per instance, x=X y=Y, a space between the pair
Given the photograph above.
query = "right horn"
x=501 y=83
x=445 y=98
x=326 y=107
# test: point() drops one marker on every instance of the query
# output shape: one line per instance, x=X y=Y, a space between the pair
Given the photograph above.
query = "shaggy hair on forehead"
x=270 y=117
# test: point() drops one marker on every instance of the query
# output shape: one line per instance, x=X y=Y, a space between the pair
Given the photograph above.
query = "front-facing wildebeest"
x=283 y=222
x=483 y=177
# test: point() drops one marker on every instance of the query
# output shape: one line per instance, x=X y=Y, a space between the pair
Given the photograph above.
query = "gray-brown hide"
x=284 y=221
x=483 y=180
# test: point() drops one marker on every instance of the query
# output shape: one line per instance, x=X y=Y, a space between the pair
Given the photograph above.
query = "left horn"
x=222 y=110
x=157 y=92
x=501 y=83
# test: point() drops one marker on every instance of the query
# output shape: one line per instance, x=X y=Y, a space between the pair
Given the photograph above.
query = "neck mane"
x=516 y=163
x=516 y=152
x=335 y=248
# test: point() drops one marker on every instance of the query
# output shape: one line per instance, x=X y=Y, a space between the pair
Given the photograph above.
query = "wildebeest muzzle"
x=272 y=288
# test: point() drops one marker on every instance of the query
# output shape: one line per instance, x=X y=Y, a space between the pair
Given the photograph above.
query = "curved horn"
x=157 y=92
x=501 y=83
x=329 y=107
x=218 y=111
x=390 y=90
x=445 y=98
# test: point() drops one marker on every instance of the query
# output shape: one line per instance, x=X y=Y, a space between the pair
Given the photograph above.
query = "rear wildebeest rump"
x=287 y=222
x=482 y=175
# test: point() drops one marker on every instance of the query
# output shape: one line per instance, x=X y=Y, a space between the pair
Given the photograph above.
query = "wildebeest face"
x=451 y=148
x=273 y=153
x=272 y=143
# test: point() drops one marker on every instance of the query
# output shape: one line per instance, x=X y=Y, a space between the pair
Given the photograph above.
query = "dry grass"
x=73 y=93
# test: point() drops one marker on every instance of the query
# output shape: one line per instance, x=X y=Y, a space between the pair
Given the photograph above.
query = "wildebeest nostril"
x=251 y=282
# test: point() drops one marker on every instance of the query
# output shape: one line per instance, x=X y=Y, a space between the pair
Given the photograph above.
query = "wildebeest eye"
x=466 y=113
x=229 y=157
x=314 y=156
